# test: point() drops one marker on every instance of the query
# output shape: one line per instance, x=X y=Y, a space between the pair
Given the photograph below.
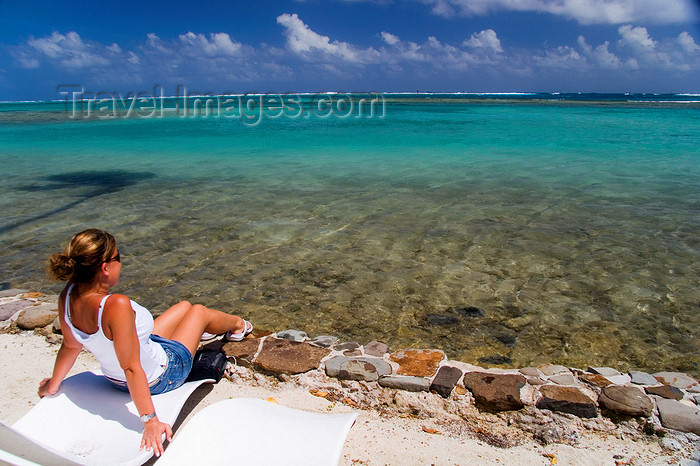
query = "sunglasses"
x=116 y=258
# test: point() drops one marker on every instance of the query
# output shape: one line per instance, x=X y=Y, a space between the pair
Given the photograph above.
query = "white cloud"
x=688 y=43
x=218 y=44
x=583 y=11
x=485 y=40
x=305 y=42
x=389 y=38
x=636 y=38
x=68 y=50
x=601 y=55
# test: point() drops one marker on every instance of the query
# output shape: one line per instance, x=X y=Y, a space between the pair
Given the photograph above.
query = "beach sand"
x=26 y=358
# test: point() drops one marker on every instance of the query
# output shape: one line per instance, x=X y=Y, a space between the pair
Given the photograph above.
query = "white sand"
x=25 y=359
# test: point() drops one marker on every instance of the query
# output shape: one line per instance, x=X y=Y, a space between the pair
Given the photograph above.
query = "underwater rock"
x=495 y=359
x=441 y=319
x=470 y=311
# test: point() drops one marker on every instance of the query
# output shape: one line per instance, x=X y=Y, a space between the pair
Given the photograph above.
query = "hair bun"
x=61 y=267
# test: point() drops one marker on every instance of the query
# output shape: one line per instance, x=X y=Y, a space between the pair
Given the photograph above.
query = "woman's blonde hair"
x=83 y=256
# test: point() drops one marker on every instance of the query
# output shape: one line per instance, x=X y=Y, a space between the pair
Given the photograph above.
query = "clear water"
x=574 y=225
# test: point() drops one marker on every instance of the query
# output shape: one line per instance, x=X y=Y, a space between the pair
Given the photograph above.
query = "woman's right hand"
x=152 y=438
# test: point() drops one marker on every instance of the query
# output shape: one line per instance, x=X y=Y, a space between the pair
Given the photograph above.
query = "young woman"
x=136 y=352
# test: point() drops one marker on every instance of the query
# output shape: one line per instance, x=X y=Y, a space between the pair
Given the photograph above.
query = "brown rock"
x=666 y=391
x=31 y=295
x=446 y=380
x=594 y=379
x=37 y=316
x=567 y=400
x=376 y=348
x=626 y=400
x=496 y=392
x=288 y=357
x=418 y=362
x=242 y=351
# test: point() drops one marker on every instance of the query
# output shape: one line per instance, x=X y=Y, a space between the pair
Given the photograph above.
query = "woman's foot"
x=248 y=328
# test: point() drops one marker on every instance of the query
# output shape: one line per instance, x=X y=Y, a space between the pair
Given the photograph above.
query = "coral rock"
x=418 y=362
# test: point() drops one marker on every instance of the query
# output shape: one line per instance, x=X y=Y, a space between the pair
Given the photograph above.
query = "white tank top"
x=153 y=357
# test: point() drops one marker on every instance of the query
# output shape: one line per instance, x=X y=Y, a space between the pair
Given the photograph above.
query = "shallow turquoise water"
x=574 y=226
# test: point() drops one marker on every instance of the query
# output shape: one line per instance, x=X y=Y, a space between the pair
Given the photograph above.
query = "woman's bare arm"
x=67 y=354
x=119 y=321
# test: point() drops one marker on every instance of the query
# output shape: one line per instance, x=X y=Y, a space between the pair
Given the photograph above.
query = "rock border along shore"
x=550 y=402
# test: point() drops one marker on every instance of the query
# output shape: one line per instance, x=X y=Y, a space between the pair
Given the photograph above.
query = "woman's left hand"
x=44 y=388
x=152 y=438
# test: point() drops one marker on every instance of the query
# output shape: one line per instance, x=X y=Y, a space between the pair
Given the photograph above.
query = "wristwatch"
x=147 y=417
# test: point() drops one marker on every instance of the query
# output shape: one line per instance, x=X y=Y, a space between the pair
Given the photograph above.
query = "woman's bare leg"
x=186 y=323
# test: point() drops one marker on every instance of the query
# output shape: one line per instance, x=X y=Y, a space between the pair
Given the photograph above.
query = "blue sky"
x=349 y=45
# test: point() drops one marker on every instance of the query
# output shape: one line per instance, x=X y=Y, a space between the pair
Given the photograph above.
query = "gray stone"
x=562 y=379
x=622 y=379
x=367 y=369
x=37 y=316
x=696 y=399
x=676 y=379
x=293 y=335
x=12 y=292
x=408 y=383
x=445 y=380
x=530 y=371
x=604 y=371
x=325 y=341
x=376 y=348
x=694 y=389
x=567 y=400
x=642 y=378
x=626 y=400
x=666 y=391
x=497 y=392
x=677 y=416
x=7 y=310
x=536 y=381
x=333 y=365
x=347 y=346
x=552 y=369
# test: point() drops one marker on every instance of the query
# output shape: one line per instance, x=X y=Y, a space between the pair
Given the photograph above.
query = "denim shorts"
x=176 y=372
